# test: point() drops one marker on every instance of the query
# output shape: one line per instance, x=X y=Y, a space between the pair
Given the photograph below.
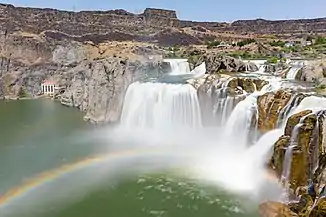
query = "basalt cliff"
x=153 y=25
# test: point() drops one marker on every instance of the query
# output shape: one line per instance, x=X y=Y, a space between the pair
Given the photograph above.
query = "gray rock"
x=67 y=55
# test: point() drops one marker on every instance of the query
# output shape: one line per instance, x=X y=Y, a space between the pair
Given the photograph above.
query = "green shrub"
x=277 y=43
x=272 y=60
x=211 y=44
x=320 y=40
x=246 y=42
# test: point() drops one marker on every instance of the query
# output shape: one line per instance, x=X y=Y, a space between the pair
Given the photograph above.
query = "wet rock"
x=279 y=154
x=275 y=209
x=319 y=209
x=269 y=107
x=302 y=163
x=303 y=204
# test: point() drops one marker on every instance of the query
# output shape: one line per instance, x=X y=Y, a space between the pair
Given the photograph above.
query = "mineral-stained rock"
x=319 y=209
x=269 y=107
x=303 y=204
x=279 y=153
x=302 y=160
x=275 y=209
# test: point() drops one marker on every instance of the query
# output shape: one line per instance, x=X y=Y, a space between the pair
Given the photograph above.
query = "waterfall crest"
x=178 y=66
x=161 y=106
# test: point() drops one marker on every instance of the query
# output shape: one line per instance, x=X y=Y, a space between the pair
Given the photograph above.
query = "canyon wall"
x=135 y=26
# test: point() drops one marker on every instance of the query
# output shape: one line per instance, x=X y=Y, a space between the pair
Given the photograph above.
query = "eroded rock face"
x=319 y=209
x=92 y=81
x=98 y=88
x=269 y=108
x=303 y=131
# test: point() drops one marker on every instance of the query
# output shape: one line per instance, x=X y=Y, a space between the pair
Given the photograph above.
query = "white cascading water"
x=199 y=71
x=223 y=104
x=161 y=106
x=241 y=119
x=287 y=110
x=292 y=74
x=259 y=63
x=178 y=66
x=169 y=116
x=181 y=67
x=313 y=103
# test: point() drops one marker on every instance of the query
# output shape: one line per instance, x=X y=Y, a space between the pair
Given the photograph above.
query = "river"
x=42 y=135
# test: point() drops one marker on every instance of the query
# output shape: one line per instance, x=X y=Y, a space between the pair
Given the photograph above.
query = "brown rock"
x=302 y=158
x=319 y=210
x=269 y=107
x=275 y=209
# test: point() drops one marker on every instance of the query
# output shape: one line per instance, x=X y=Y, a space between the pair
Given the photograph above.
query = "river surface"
x=42 y=135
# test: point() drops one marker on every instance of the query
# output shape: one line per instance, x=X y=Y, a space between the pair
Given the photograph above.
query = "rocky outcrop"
x=261 y=26
x=216 y=63
x=269 y=107
x=220 y=93
x=303 y=130
x=275 y=107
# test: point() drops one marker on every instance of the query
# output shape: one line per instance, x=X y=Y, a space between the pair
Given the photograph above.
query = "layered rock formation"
x=91 y=78
x=299 y=158
x=155 y=25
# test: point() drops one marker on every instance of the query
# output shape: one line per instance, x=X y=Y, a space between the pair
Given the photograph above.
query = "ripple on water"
x=148 y=196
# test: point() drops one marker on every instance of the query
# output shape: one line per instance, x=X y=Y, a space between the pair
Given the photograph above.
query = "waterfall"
x=178 y=66
x=199 y=71
x=287 y=164
x=241 y=119
x=313 y=103
x=161 y=106
x=259 y=63
x=288 y=109
x=296 y=66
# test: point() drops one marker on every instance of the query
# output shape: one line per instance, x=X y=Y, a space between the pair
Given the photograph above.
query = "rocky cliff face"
x=302 y=163
x=153 y=25
x=91 y=77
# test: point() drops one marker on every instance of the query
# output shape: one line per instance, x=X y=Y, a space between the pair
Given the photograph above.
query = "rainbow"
x=47 y=176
